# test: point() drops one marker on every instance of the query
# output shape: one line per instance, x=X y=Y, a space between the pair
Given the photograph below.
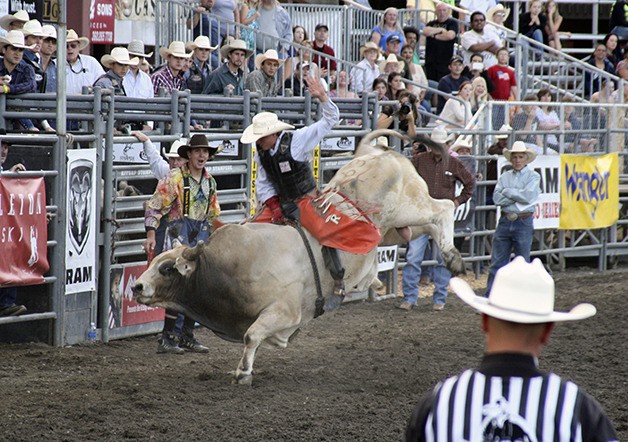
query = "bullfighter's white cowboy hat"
x=264 y=123
x=270 y=54
x=520 y=147
x=201 y=42
x=174 y=148
x=6 y=20
x=49 y=31
x=136 y=48
x=232 y=46
x=33 y=27
x=523 y=293
x=72 y=36
x=121 y=56
x=176 y=49
x=504 y=131
x=14 y=38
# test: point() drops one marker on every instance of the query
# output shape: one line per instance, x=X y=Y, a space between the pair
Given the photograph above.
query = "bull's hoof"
x=240 y=378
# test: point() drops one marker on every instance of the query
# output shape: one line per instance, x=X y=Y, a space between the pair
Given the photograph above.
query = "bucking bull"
x=254 y=283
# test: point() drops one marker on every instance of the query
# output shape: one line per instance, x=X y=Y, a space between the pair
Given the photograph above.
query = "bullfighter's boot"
x=332 y=262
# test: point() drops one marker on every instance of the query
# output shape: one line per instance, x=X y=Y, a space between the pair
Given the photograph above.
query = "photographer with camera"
x=404 y=112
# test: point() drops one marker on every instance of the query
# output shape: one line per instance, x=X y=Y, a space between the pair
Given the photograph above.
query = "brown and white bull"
x=253 y=283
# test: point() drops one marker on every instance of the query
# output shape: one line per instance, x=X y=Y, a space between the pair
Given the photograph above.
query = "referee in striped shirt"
x=508 y=398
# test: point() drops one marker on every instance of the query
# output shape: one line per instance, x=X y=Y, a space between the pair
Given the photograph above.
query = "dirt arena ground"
x=351 y=376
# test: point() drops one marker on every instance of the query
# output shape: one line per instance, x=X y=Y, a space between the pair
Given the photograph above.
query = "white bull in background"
x=254 y=283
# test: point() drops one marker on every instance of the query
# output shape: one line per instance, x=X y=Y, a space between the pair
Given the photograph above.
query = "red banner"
x=23 y=231
x=102 y=21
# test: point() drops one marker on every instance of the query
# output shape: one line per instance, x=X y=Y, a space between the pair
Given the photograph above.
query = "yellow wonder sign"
x=589 y=191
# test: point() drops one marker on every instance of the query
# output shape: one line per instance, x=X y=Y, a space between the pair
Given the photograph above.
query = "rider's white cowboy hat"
x=72 y=36
x=200 y=42
x=121 y=56
x=523 y=293
x=6 y=20
x=49 y=31
x=235 y=44
x=270 y=54
x=264 y=123
x=136 y=48
x=14 y=38
x=176 y=49
x=33 y=27
x=520 y=147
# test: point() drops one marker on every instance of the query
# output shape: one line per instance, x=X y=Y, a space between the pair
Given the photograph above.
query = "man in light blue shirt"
x=516 y=194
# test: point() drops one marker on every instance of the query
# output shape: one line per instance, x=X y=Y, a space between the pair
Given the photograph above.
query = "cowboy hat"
x=460 y=143
x=197 y=141
x=392 y=58
x=6 y=20
x=232 y=46
x=49 y=31
x=369 y=46
x=440 y=135
x=497 y=8
x=201 y=42
x=504 y=131
x=174 y=148
x=73 y=36
x=14 y=38
x=136 y=48
x=270 y=54
x=520 y=147
x=523 y=293
x=33 y=27
x=264 y=123
x=120 y=56
x=176 y=48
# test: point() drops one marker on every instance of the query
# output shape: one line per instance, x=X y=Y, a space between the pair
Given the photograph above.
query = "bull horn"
x=433 y=145
x=192 y=253
x=365 y=144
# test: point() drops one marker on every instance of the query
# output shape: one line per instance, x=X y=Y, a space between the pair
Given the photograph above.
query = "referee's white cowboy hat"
x=120 y=56
x=264 y=123
x=16 y=39
x=6 y=20
x=520 y=147
x=72 y=36
x=523 y=293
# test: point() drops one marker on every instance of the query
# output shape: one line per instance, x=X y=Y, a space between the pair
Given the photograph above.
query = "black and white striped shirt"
x=508 y=398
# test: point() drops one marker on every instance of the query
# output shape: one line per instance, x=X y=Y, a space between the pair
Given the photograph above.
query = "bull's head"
x=167 y=276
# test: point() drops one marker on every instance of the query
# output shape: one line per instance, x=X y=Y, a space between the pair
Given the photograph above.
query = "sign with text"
x=23 y=231
x=34 y=8
x=132 y=312
x=102 y=21
x=82 y=217
x=386 y=258
x=589 y=191
x=137 y=10
x=340 y=144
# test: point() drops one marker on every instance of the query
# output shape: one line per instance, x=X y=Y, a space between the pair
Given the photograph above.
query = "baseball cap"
x=321 y=25
x=456 y=58
x=393 y=38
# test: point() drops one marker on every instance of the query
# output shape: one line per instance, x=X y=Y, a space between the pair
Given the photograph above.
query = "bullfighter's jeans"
x=412 y=272
x=510 y=236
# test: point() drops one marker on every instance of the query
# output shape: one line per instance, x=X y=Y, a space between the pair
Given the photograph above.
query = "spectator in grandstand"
x=197 y=76
x=412 y=35
x=340 y=88
x=16 y=75
x=380 y=87
x=497 y=15
x=404 y=113
x=393 y=45
x=185 y=200
x=170 y=76
x=395 y=85
x=299 y=35
x=614 y=51
x=325 y=66
x=388 y=25
x=475 y=68
x=479 y=94
x=48 y=63
x=440 y=175
x=33 y=36
x=304 y=55
x=275 y=21
x=505 y=85
x=548 y=118
x=441 y=35
x=525 y=124
x=367 y=69
x=576 y=142
x=391 y=64
x=227 y=11
x=229 y=78
x=500 y=400
x=418 y=76
x=202 y=24
x=482 y=6
x=14 y=22
x=533 y=23
x=80 y=69
x=450 y=84
x=138 y=83
x=593 y=80
x=117 y=63
x=618 y=23
x=622 y=69
x=554 y=20
x=264 y=78
x=457 y=111
x=516 y=194
x=497 y=148
x=481 y=40
x=297 y=83
x=249 y=16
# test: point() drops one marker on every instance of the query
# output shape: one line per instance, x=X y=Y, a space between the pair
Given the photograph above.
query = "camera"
x=405 y=109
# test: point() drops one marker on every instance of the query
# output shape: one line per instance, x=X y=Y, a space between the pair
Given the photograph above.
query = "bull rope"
x=320 y=301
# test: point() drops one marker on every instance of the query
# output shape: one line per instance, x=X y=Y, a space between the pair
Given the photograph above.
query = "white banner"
x=547 y=211
x=386 y=258
x=340 y=144
x=82 y=217
x=131 y=152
